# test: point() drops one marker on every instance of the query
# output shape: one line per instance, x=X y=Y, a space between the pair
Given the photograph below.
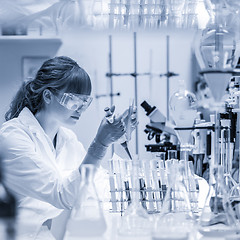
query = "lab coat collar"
x=27 y=118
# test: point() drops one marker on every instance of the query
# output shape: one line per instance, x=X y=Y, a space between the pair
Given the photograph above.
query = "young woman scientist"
x=43 y=157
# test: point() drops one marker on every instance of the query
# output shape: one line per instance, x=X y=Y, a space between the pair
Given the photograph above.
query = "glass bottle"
x=218 y=218
x=87 y=219
x=136 y=221
x=176 y=220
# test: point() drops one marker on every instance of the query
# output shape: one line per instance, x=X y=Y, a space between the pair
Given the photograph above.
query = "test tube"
x=112 y=186
x=156 y=183
x=163 y=178
x=142 y=185
x=119 y=184
x=123 y=167
x=148 y=185
x=161 y=156
x=172 y=154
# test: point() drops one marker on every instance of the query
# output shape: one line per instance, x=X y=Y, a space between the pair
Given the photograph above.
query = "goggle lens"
x=75 y=101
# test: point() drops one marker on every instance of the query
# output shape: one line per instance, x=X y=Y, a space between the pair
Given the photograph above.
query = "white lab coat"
x=45 y=180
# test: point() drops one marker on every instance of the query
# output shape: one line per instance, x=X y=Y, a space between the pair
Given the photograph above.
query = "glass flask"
x=218 y=218
x=176 y=220
x=175 y=13
x=100 y=14
x=190 y=15
x=226 y=151
x=235 y=200
x=183 y=110
x=135 y=221
x=87 y=218
x=218 y=48
x=70 y=14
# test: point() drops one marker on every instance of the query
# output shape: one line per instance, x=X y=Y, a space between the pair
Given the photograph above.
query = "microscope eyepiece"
x=147 y=107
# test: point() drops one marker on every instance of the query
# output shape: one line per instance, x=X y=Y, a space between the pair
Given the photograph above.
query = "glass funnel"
x=218 y=49
x=218 y=218
x=87 y=219
x=135 y=221
x=176 y=220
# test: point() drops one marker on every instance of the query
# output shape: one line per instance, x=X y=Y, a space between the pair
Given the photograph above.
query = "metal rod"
x=111 y=80
x=135 y=84
x=167 y=102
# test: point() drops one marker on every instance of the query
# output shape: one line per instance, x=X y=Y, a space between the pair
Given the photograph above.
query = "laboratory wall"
x=91 y=50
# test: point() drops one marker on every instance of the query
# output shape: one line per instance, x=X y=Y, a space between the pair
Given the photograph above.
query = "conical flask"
x=176 y=220
x=136 y=221
x=218 y=218
x=235 y=200
x=87 y=219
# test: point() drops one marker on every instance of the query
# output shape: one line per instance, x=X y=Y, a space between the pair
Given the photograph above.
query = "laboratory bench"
x=114 y=221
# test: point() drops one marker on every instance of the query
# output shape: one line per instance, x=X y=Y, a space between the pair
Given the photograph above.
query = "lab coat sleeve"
x=27 y=174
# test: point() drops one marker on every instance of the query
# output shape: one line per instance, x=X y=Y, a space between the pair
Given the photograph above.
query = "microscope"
x=160 y=129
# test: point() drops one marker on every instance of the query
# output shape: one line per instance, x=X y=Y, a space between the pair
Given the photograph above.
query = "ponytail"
x=23 y=98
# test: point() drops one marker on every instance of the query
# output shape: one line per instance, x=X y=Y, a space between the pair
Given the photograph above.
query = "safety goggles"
x=75 y=102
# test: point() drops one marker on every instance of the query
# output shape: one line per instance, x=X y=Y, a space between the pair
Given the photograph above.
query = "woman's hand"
x=130 y=120
x=109 y=133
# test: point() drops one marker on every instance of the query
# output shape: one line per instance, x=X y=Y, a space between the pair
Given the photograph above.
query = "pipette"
x=110 y=118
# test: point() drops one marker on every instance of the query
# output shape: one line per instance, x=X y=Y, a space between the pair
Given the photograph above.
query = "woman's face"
x=67 y=108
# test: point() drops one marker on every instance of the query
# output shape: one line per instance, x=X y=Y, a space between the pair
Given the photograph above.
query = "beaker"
x=136 y=221
x=87 y=219
x=176 y=220
x=218 y=218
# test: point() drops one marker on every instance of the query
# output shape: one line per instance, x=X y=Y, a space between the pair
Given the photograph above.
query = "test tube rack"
x=153 y=182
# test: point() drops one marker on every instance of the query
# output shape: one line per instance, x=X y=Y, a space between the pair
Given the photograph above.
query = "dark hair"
x=55 y=74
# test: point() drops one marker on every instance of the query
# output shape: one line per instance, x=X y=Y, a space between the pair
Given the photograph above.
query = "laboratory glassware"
x=156 y=184
x=191 y=184
x=183 y=110
x=87 y=218
x=112 y=186
x=175 y=13
x=218 y=218
x=72 y=14
x=217 y=51
x=226 y=152
x=235 y=200
x=172 y=154
x=183 y=106
x=175 y=220
x=135 y=221
x=190 y=16
x=100 y=14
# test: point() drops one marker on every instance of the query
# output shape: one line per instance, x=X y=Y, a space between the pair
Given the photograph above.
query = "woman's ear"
x=47 y=96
